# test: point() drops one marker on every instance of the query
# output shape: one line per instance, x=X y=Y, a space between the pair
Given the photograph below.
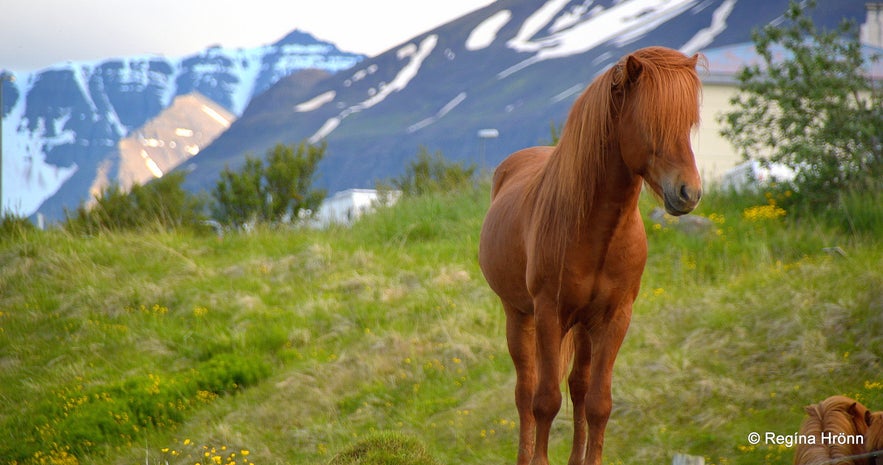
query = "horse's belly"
x=502 y=260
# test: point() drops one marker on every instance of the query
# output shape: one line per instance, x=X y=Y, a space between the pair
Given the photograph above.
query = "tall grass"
x=287 y=345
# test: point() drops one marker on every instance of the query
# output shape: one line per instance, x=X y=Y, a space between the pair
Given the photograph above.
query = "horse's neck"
x=602 y=195
x=585 y=214
x=613 y=207
x=580 y=240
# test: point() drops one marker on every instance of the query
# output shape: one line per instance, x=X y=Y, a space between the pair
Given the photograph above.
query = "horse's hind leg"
x=520 y=330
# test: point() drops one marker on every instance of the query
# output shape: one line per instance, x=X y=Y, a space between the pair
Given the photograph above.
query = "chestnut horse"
x=835 y=415
x=563 y=244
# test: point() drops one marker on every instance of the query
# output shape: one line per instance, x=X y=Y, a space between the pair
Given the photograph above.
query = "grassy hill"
x=290 y=346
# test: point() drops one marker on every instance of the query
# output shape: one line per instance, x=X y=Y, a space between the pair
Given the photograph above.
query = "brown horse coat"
x=834 y=415
x=564 y=247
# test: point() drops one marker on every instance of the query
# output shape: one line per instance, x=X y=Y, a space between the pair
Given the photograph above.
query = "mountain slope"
x=179 y=132
x=515 y=66
x=61 y=123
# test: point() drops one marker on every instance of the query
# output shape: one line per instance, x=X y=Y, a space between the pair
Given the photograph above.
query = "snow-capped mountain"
x=62 y=122
x=515 y=66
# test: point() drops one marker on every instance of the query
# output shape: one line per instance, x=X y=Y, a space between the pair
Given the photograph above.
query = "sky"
x=35 y=34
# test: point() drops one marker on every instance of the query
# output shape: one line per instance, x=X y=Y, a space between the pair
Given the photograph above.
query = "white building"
x=717 y=159
x=344 y=207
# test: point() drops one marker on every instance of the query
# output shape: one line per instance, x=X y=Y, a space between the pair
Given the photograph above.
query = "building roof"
x=724 y=63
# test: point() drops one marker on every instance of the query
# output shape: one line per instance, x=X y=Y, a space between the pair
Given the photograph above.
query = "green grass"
x=290 y=346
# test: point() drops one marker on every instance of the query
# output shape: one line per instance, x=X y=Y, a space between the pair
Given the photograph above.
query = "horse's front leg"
x=520 y=337
x=578 y=383
x=547 y=399
x=606 y=341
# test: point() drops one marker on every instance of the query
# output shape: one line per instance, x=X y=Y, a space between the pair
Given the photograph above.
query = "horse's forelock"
x=666 y=95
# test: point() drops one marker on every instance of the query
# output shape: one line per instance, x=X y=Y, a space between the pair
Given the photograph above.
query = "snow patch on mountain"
x=23 y=175
x=416 y=54
x=219 y=118
x=534 y=24
x=485 y=33
x=315 y=102
x=247 y=69
x=439 y=114
x=622 y=23
x=707 y=35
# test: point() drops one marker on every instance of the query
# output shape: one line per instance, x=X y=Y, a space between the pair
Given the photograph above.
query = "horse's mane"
x=836 y=414
x=667 y=86
x=874 y=435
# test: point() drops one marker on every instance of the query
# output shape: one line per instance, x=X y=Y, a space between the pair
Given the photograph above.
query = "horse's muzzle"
x=681 y=200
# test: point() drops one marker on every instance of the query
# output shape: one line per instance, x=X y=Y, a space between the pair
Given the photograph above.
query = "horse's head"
x=659 y=90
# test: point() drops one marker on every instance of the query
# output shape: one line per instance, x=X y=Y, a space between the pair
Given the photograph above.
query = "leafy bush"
x=433 y=173
x=276 y=189
x=162 y=203
x=814 y=111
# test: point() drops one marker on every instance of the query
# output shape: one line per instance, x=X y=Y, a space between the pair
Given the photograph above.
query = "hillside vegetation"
x=381 y=343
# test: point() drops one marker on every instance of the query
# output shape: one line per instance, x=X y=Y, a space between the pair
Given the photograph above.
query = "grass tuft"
x=385 y=448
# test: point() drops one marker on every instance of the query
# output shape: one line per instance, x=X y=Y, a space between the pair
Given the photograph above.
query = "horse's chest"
x=594 y=287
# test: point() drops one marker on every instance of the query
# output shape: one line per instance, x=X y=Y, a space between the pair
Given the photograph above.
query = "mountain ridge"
x=62 y=122
x=513 y=65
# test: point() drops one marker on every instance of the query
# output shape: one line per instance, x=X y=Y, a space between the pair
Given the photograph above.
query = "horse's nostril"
x=688 y=196
x=685 y=194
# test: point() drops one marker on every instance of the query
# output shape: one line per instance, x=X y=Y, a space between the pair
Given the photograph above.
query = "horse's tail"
x=568 y=348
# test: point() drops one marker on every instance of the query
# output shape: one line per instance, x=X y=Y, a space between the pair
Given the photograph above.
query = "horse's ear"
x=632 y=69
x=860 y=416
x=699 y=61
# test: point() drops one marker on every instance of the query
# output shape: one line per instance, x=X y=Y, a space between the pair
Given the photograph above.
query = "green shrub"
x=815 y=110
x=276 y=189
x=433 y=173
x=162 y=204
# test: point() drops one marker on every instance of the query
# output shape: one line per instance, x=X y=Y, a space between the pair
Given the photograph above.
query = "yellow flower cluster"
x=869 y=385
x=770 y=211
x=156 y=309
x=763 y=212
x=57 y=457
x=209 y=455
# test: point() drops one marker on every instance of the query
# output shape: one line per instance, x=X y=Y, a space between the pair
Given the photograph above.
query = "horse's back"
x=518 y=168
x=501 y=252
